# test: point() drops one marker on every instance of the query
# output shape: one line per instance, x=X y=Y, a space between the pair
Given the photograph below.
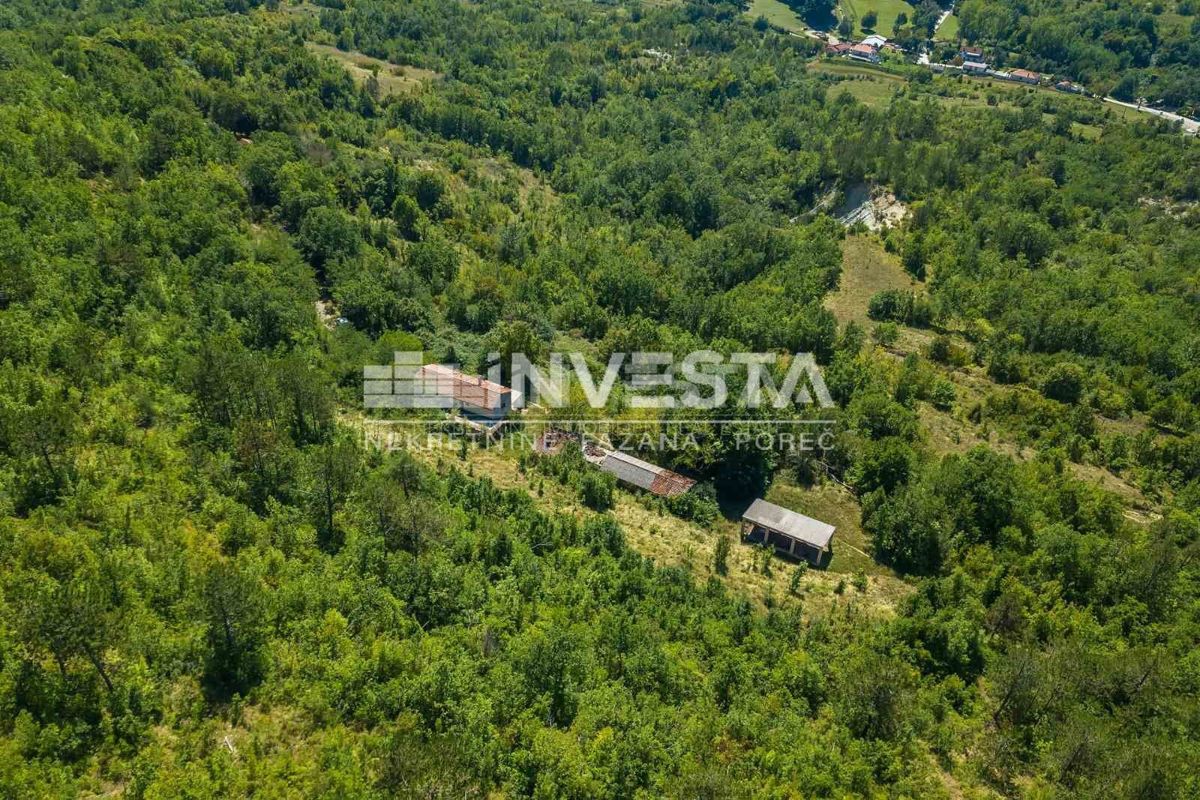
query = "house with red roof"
x=864 y=52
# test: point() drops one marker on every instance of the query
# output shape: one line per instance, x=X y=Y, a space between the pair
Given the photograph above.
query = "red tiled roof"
x=670 y=484
x=470 y=390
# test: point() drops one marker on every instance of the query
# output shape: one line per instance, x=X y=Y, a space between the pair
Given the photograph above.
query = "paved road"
x=1189 y=125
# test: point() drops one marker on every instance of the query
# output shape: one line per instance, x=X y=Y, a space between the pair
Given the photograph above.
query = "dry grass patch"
x=670 y=541
x=866 y=270
x=393 y=78
x=526 y=181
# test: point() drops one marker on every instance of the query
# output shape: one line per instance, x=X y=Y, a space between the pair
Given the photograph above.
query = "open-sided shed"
x=787 y=531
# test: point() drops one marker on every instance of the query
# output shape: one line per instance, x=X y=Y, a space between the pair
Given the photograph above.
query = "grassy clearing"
x=524 y=180
x=303 y=8
x=670 y=541
x=866 y=270
x=885 y=10
x=974 y=93
x=1120 y=113
x=868 y=91
x=874 y=88
x=949 y=432
x=948 y=32
x=835 y=505
x=871 y=87
x=977 y=101
x=857 y=70
x=393 y=78
x=1171 y=22
x=778 y=14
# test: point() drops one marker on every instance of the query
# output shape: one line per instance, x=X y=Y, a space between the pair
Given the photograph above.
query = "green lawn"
x=885 y=10
x=949 y=30
x=776 y=13
x=855 y=69
x=869 y=86
x=869 y=92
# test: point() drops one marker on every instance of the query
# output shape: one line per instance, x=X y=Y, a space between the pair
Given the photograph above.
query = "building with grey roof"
x=788 y=532
x=644 y=475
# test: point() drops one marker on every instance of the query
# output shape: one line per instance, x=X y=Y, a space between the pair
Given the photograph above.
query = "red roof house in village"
x=864 y=52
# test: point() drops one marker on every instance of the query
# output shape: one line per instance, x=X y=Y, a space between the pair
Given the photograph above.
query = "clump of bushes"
x=897 y=305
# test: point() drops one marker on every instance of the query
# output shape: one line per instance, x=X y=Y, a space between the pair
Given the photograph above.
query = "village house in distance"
x=864 y=52
x=867 y=50
x=1025 y=76
x=971 y=60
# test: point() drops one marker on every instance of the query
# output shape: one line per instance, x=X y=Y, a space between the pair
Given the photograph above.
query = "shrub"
x=602 y=534
x=698 y=505
x=1064 y=383
x=895 y=305
x=942 y=396
x=721 y=556
x=596 y=489
x=798 y=577
x=886 y=333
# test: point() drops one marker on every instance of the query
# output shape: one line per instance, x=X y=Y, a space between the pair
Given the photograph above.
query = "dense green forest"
x=1129 y=50
x=210 y=588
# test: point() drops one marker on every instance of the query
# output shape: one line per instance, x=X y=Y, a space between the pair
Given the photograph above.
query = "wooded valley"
x=215 y=213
